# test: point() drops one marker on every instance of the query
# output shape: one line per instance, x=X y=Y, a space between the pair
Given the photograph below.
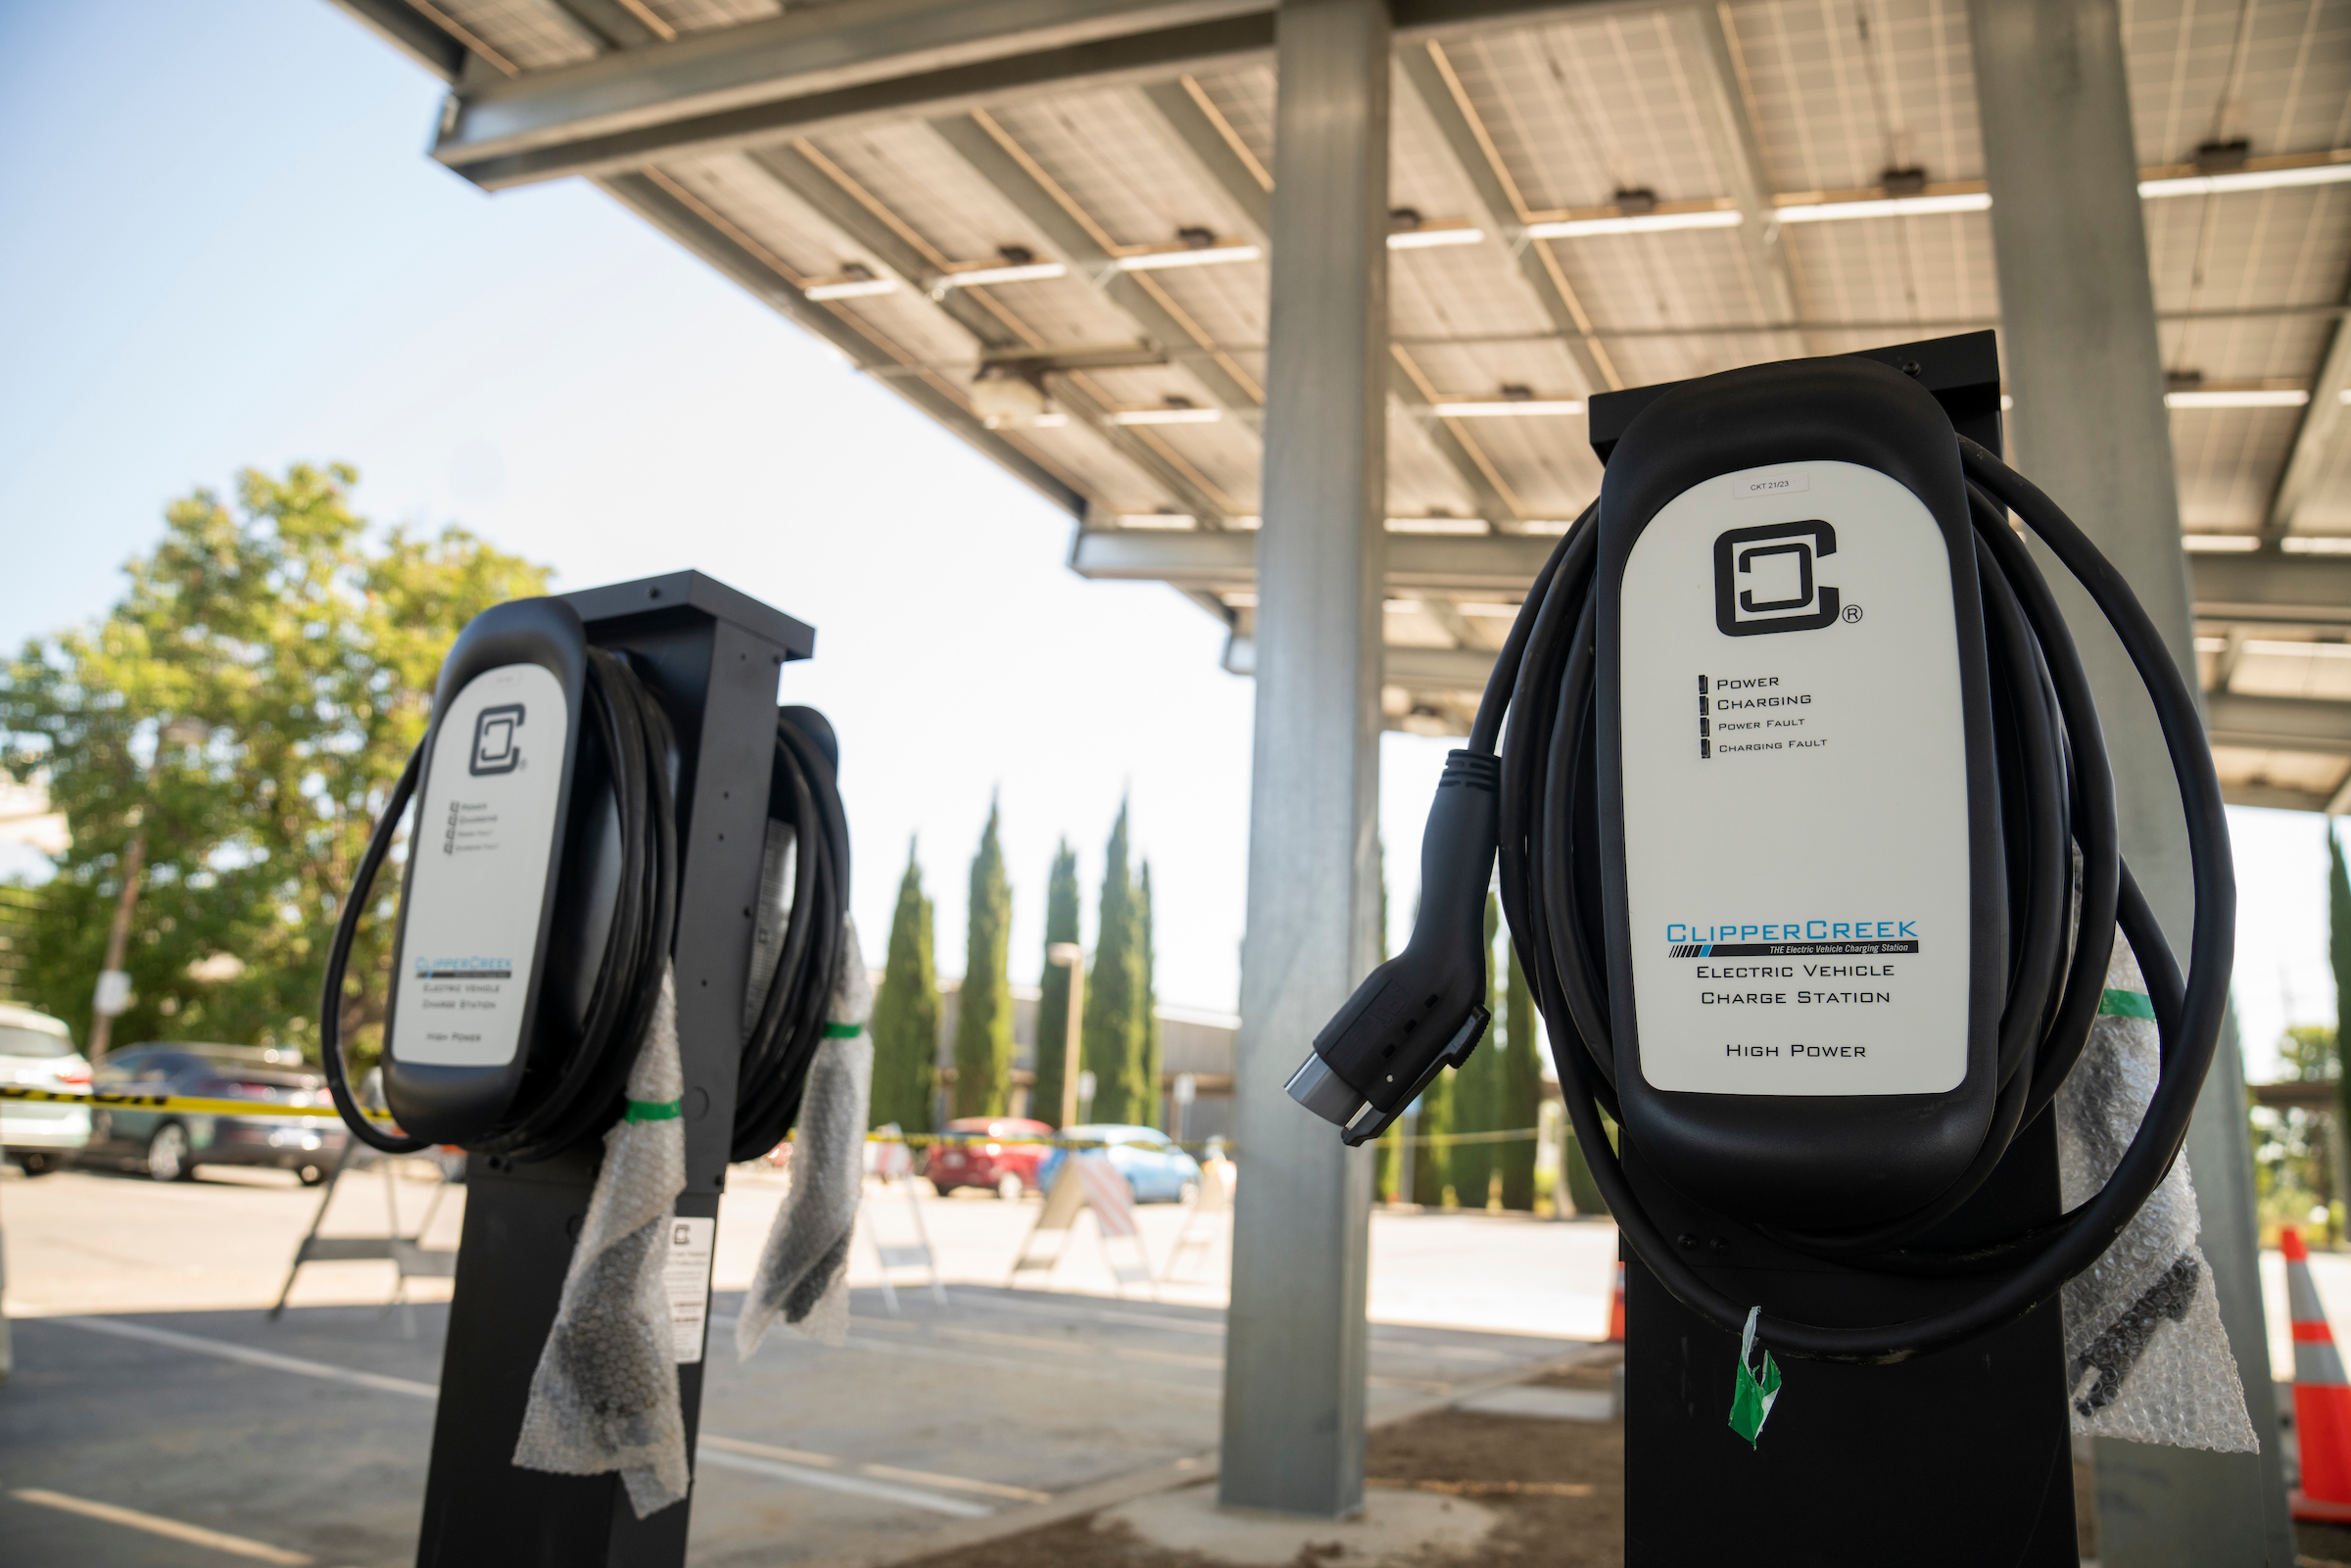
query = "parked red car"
x=988 y=1153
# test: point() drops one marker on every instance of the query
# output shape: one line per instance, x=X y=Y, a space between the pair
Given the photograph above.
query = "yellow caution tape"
x=193 y=1105
x=196 y=1104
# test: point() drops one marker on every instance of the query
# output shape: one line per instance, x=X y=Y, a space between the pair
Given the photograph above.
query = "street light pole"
x=1073 y=956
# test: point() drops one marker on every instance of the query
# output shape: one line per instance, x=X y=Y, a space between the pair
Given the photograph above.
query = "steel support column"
x=1293 y=1437
x=2083 y=363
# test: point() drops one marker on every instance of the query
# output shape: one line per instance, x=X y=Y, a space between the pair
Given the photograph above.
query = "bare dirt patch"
x=1556 y=1486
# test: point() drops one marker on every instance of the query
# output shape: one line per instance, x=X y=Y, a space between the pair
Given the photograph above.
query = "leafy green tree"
x=1153 y=1068
x=1053 y=1002
x=290 y=650
x=906 y=1012
x=983 y=1014
x=1113 y=1033
x=1521 y=1085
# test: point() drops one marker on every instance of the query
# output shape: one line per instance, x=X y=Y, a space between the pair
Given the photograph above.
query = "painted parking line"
x=818 y=1470
x=978 y=1336
x=228 y=1351
x=1164 y=1387
x=894 y=1480
x=168 y=1529
x=730 y=1456
x=1180 y=1325
x=1215 y=1329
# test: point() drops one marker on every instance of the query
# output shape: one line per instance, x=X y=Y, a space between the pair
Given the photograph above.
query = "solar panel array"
x=1584 y=200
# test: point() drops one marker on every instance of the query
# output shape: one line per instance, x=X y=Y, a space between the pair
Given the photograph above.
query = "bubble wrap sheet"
x=2146 y=1357
x=803 y=1272
x=605 y=1395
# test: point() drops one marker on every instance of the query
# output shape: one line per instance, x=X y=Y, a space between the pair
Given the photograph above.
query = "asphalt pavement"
x=156 y=1417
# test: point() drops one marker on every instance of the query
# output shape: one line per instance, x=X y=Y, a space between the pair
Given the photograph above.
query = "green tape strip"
x=656 y=1110
x=1756 y=1394
x=844 y=1031
x=2127 y=1005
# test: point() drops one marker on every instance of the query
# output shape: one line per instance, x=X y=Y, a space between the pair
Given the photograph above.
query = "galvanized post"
x=1295 y=1350
x=2083 y=365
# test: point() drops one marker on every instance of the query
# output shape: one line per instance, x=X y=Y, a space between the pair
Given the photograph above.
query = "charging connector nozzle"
x=1424 y=1009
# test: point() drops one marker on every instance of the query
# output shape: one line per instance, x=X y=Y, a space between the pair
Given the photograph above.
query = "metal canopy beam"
x=1463 y=670
x=548 y=128
x=2278 y=724
x=2280 y=589
x=729 y=87
x=2283 y=591
x=1523 y=261
x=2322 y=419
x=802 y=54
x=1190 y=129
x=614 y=25
x=661 y=209
x=1131 y=297
x=2276 y=797
x=1729 y=132
x=1489 y=563
x=411 y=33
x=891 y=256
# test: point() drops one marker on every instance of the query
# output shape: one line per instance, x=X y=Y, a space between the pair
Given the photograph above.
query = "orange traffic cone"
x=1617 y=1308
x=2322 y=1396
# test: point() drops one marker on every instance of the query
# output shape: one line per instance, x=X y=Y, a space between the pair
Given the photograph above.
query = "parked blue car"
x=1156 y=1171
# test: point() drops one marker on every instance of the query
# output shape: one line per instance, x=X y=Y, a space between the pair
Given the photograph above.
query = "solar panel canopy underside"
x=1140 y=387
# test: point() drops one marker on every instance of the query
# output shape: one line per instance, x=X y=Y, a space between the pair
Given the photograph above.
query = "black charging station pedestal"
x=1959 y=1459
x=713 y=655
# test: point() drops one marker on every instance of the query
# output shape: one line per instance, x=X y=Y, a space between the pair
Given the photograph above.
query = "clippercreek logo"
x=1794 y=938
x=464 y=968
x=1766 y=579
x=494 y=741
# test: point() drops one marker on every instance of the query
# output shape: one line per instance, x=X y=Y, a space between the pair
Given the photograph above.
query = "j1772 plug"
x=1424 y=1009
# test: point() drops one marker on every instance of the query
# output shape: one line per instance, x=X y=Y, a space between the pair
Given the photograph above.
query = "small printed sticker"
x=687 y=1276
x=1771 y=482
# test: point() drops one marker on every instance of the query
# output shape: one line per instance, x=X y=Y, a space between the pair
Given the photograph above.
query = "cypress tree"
x=1053 y=1005
x=1386 y=1183
x=905 y=1027
x=1583 y=1191
x=1113 y=992
x=1521 y=1083
x=2338 y=949
x=1152 y=1053
x=1477 y=1095
x=1432 y=1163
x=983 y=1016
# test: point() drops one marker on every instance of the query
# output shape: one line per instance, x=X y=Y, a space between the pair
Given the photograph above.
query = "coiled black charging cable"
x=575 y=1080
x=2067 y=883
x=792 y=1021
x=572 y=1083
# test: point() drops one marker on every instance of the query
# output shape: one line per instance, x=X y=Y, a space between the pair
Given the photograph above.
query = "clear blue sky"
x=225 y=246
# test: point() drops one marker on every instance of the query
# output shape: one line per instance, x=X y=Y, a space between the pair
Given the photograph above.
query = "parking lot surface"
x=151 y=1393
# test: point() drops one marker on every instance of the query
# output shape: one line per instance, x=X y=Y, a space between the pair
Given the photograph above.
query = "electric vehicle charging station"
x=547 y=891
x=1808 y=841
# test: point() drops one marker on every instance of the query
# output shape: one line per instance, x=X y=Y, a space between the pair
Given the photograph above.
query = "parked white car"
x=37 y=1051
